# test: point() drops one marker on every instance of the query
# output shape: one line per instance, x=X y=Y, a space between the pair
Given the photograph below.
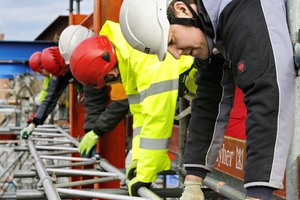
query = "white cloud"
x=25 y=20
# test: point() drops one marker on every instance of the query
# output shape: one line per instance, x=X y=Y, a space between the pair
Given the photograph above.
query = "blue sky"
x=24 y=20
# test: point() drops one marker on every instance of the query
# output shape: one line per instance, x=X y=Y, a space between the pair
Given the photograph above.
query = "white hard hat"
x=145 y=25
x=70 y=38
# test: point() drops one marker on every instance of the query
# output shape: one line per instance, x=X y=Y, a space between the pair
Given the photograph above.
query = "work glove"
x=134 y=185
x=131 y=170
x=27 y=131
x=192 y=191
x=88 y=144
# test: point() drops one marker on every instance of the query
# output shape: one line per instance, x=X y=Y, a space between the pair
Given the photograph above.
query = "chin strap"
x=201 y=21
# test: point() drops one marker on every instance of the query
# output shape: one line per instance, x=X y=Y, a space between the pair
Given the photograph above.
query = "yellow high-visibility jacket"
x=44 y=91
x=152 y=90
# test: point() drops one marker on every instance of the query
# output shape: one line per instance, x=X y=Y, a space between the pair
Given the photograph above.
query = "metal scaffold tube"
x=67 y=135
x=12 y=164
x=43 y=148
x=86 y=182
x=65 y=158
x=91 y=162
x=57 y=148
x=98 y=195
x=50 y=140
x=35 y=133
x=223 y=189
x=45 y=179
x=182 y=134
x=143 y=191
x=57 y=153
x=82 y=172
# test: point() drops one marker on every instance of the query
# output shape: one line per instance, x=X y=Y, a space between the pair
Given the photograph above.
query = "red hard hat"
x=35 y=61
x=52 y=61
x=92 y=59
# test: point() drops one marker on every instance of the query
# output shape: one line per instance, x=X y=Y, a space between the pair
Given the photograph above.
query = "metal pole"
x=32 y=174
x=67 y=135
x=46 y=128
x=223 y=189
x=86 y=182
x=143 y=191
x=66 y=158
x=293 y=14
x=82 y=172
x=78 y=6
x=44 y=177
x=36 y=194
x=55 y=143
x=30 y=194
x=182 y=135
x=49 y=140
x=71 y=6
x=57 y=153
x=9 y=196
x=12 y=164
x=57 y=148
x=24 y=174
x=47 y=134
x=91 y=162
x=98 y=195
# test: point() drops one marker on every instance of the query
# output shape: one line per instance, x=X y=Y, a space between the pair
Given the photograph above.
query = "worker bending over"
x=234 y=52
x=152 y=90
x=36 y=65
x=101 y=117
x=104 y=107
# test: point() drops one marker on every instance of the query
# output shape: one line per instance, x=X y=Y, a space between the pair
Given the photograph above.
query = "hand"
x=192 y=190
x=26 y=132
x=88 y=144
x=131 y=170
x=134 y=185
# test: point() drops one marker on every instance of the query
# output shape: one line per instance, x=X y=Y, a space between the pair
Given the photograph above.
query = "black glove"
x=131 y=170
x=134 y=185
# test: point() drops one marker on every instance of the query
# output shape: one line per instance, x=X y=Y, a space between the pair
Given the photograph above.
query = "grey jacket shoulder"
x=213 y=9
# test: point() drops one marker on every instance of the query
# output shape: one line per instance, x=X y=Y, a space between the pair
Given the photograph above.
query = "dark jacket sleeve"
x=101 y=117
x=95 y=102
x=112 y=115
x=56 y=87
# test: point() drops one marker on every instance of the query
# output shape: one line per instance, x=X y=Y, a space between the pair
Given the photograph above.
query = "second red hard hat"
x=92 y=59
x=52 y=61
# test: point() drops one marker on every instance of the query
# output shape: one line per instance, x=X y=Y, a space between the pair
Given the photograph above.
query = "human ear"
x=114 y=71
x=182 y=10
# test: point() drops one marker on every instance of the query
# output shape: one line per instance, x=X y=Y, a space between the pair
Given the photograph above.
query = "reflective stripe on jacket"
x=152 y=89
x=44 y=91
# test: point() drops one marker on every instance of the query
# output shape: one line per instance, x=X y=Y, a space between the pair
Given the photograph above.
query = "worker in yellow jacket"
x=105 y=107
x=152 y=90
